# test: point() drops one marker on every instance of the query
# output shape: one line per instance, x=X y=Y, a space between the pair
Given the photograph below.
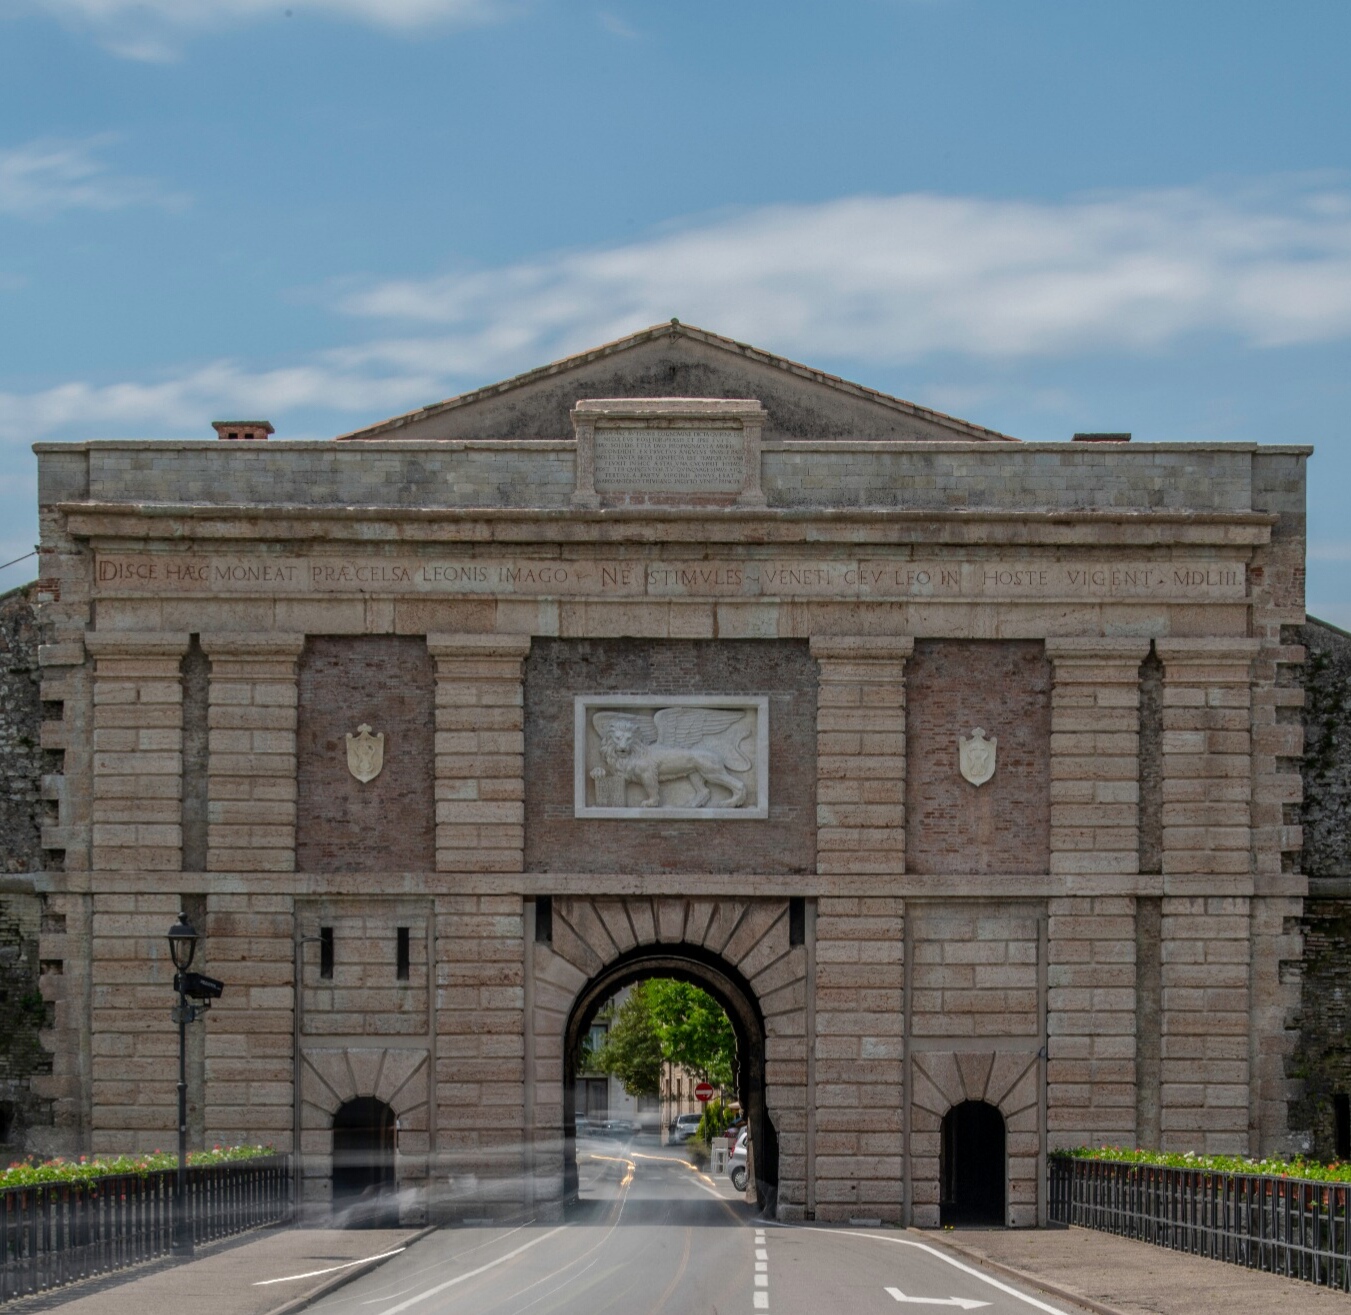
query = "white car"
x=736 y=1162
x=684 y=1127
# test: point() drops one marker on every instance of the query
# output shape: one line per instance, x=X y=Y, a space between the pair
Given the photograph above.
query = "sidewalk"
x=1117 y=1275
x=257 y=1274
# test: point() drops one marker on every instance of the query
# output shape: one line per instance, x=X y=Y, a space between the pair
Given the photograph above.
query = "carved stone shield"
x=976 y=757
x=365 y=753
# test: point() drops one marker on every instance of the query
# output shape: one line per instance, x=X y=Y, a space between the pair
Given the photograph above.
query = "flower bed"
x=28 y=1174
x=1310 y=1170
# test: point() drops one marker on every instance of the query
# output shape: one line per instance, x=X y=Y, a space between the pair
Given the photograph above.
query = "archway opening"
x=698 y=967
x=973 y=1166
x=363 y=1163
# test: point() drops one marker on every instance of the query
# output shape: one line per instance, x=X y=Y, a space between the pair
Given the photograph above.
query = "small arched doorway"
x=363 y=1163
x=700 y=967
x=972 y=1165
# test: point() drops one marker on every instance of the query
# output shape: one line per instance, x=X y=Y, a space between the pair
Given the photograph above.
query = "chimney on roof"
x=1102 y=438
x=243 y=429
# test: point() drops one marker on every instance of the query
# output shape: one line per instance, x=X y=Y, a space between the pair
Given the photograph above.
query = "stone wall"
x=23 y=1014
x=22 y=1008
x=1022 y=477
x=1327 y=751
x=20 y=750
x=1322 y=1061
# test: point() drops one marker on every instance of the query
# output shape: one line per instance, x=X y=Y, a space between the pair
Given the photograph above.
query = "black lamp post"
x=182 y=947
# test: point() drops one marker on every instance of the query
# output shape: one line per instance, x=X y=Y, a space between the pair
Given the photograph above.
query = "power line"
x=17 y=560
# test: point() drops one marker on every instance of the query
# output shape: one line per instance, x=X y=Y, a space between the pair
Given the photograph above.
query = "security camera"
x=198 y=986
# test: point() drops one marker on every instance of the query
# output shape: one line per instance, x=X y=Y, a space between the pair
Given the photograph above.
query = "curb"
x=1021 y=1276
x=340 y=1280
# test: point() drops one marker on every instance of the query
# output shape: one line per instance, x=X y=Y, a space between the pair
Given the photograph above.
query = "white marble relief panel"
x=688 y=756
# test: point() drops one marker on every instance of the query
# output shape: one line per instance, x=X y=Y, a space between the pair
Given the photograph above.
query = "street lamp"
x=182 y=948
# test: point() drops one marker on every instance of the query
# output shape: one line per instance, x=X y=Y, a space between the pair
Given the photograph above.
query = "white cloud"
x=876 y=280
x=894 y=278
x=185 y=405
x=1330 y=550
x=44 y=176
x=155 y=29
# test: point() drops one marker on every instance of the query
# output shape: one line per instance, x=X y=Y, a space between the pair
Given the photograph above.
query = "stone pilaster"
x=480 y=752
x=1095 y=805
x=138 y=751
x=859 y=1132
x=251 y=771
x=860 y=754
x=1207 y=880
x=1207 y=764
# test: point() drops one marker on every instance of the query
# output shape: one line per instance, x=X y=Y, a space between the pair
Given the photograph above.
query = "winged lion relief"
x=685 y=757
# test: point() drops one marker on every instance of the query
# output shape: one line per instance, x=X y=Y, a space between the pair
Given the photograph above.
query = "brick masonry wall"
x=558 y=669
x=388 y=824
x=1004 y=825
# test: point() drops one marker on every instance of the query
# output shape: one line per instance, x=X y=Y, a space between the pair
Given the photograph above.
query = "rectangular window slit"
x=797 y=921
x=401 y=970
x=544 y=919
x=325 y=951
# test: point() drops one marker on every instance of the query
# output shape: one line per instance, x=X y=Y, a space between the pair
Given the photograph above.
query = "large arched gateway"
x=697 y=964
x=960 y=770
x=742 y=952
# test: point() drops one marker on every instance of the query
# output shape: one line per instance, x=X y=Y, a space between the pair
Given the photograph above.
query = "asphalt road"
x=653 y=1235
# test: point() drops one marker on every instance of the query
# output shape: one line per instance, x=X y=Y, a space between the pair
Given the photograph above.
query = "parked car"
x=684 y=1127
x=736 y=1162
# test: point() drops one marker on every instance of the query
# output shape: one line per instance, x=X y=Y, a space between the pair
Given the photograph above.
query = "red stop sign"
x=703 y=1092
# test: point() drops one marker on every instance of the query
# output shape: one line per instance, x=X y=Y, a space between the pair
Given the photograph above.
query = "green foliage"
x=665 y=1021
x=714 y=1123
x=632 y=1050
x=1297 y=1168
x=695 y=1032
x=27 y=1173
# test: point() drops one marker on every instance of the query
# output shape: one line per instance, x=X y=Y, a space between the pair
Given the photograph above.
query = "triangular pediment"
x=679 y=360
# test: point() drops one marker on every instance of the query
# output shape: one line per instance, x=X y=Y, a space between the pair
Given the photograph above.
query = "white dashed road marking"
x=761 y=1296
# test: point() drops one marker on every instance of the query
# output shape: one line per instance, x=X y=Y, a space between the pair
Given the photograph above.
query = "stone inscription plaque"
x=642 y=460
x=1005 y=579
x=644 y=757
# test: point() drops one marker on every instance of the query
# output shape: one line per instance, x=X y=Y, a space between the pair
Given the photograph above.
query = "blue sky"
x=1041 y=215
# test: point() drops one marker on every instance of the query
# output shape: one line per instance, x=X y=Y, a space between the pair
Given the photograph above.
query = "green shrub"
x=714 y=1122
x=27 y=1173
x=1296 y=1168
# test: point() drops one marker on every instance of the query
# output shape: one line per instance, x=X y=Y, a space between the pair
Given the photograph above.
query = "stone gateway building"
x=964 y=771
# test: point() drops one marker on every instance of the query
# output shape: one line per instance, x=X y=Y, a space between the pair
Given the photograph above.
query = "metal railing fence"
x=52 y=1234
x=1296 y=1227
